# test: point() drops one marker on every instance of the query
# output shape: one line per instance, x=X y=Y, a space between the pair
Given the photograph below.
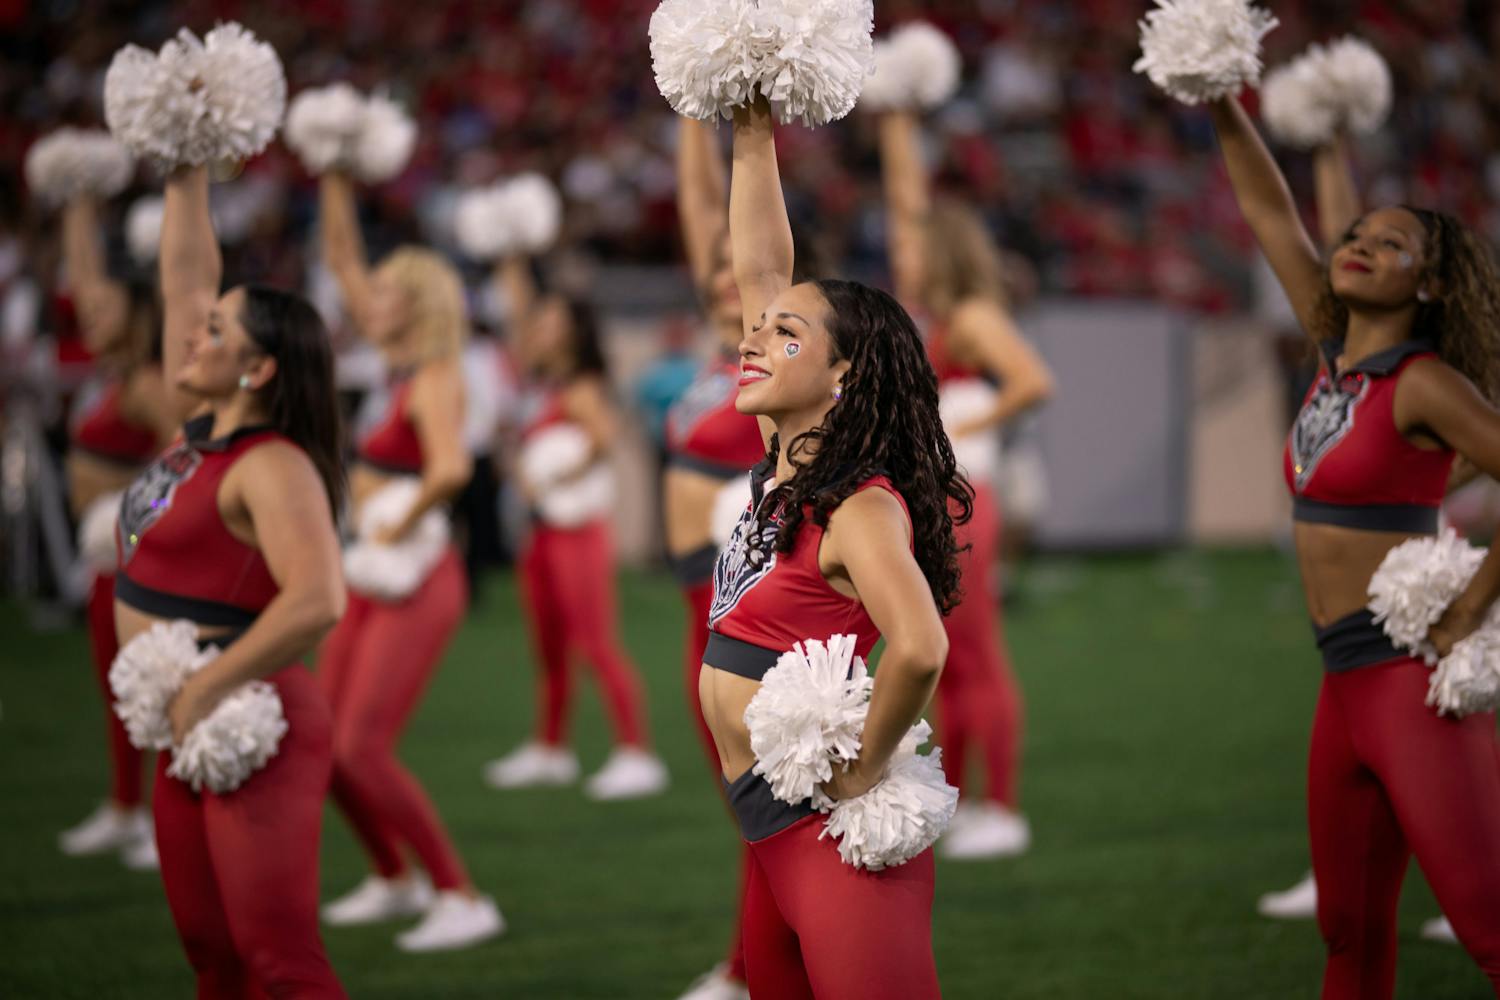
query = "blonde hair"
x=961 y=259
x=435 y=296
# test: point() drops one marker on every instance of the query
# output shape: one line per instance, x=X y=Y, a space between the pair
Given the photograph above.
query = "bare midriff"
x=1336 y=564
x=688 y=497
x=724 y=697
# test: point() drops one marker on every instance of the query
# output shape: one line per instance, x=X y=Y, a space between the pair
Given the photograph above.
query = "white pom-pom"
x=143 y=229
x=918 y=66
x=707 y=54
x=962 y=401
x=72 y=162
x=823 y=55
x=902 y=816
x=522 y=215
x=96 y=533
x=1467 y=680
x=807 y=715
x=535 y=212
x=481 y=223
x=569 y=491
x=1345 y=85
x=1202 y=50
x=195 y=102
x=237 y=738
x=385 y=142
x=145 y=675
x=730 y=504
x=391 y=572
x=323 y=125
x=1415 y=583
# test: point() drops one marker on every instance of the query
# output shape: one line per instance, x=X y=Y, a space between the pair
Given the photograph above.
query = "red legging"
x=978 y=699
x=374 y=668
x=818 y=928
x=699 y=597
x=568 y=579
x=241 y=870
x=1389 y=778
x=125 y=763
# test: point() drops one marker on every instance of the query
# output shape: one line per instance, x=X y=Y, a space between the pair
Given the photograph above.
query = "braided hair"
x=886 y=423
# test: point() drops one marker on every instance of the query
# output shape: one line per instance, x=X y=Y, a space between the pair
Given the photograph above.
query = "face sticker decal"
x=792 y=349
x=1404 y=259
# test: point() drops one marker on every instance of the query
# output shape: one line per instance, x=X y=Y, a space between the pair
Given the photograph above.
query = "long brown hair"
x=962 y=261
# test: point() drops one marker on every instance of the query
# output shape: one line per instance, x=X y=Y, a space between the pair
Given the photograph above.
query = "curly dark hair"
x=1462 y=322
x=886 y=424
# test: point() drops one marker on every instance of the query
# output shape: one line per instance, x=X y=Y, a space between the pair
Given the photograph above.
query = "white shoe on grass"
x=454 y=921
x=1300 y=902
x=141 y=856
x=107 y=828
x=378 y=899
x=715 y=984
x=1439 y=929
x=532 y=764
x=987 y=830
x=629 y=773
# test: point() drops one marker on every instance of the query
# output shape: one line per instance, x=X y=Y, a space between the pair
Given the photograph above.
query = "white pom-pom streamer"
x=730 y=504
x=522 y=215
x=146 y=673
x=899 y=818
x=1415 y=583
x=72 y=162
x=143 y=229
x=391 y=572
x=568 y=491
x=323 y=125
x=810 y=58
x=807 y=715
x=1202 y=50
x=1345 y=85
x=235 y=740
x=535 y=211
x=217 y=100
x=961 y=401
x=96 y=533
x=1467 y=680
x=385 y=142
x=481 y=223
x=917 y=66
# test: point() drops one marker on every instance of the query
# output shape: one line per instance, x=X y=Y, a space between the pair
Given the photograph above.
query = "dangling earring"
x=838 y=392
x=1423 y=295
x=244 y=381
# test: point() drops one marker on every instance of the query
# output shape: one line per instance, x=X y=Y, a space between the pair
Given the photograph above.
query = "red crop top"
x=766 y=601
x=1347 y=463
x=392 y=445
x=101 y=429
x=706 y=433
x=943 y=365
x=177 y=557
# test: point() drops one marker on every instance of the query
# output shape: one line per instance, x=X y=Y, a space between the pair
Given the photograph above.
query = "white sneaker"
x=532 y=764
x=965 y=814
x=454 y=921
x=989 y=831
x=715 y=984
x=629 y=773
x=377 y=899
x=1300 y=902
x=108 y=828
x=141 y=856
x=1439 y=929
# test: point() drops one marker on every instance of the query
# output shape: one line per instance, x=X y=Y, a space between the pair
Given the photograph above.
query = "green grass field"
x=1168 y=701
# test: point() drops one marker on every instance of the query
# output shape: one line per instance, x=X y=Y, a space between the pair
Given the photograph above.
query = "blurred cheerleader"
x=378 y=661
x=567 y=561
x=947 y=270
x=120 y=423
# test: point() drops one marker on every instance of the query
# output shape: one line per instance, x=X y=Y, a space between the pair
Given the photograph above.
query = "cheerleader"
x=379 y=660
x=711 y=446
x=232 y=529
x=1404 y=315
x=856 y=537
x=120 y=423
x=946 y=268
x=567 y=560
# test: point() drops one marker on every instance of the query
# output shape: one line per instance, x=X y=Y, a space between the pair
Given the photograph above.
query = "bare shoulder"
x=274 y=466
x=870 y=516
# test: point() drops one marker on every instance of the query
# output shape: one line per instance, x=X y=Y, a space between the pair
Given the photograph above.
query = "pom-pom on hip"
x=1202 y=50
x=70 y=163
x=146 y=674
x=568 y=488
x=96 y=533
x=393 y=571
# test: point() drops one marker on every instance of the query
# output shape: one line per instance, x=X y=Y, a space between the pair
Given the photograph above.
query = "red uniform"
x=707 y=435
x=374 y=668
x=568 y=579
x=1387 y=776
x=101 y=430
x=978 y=699
x=240 y=869
x=813 y=926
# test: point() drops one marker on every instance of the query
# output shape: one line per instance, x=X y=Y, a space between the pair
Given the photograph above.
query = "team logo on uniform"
x=705 y=395
x=150 y=496
x=1321 y=425
x=742 y=563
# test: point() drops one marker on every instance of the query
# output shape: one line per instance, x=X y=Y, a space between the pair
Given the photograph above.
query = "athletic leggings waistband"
x=760 y=813
x=1354 y=641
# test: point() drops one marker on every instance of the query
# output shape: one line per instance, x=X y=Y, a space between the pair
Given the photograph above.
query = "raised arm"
x=343 y=246
x=513 y=279
x=702 y=198
x=907 y=199
x=83 y=252
x=759 y=231
x=1267 y=205
x=1338 y=195
x=191 y=271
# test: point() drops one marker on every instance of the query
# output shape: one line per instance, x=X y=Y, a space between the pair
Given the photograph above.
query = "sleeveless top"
x=101 y=429
x=392 y=445
x=705 y=433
